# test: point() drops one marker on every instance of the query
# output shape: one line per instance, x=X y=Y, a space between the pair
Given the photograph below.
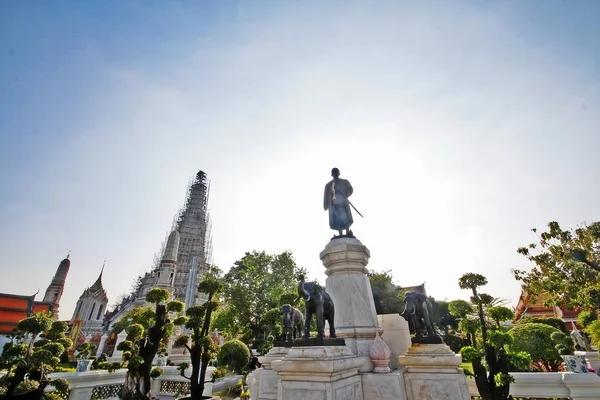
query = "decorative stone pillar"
x=263 y=381
x=433 y=372
x=319 y=372
x=380 y=355
x=347 y=283
x=101 y=345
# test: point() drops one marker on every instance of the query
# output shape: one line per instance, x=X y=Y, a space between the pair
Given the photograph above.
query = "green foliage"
x=471 y=354
x=472 y=281
x=386 y=294
x=490 y=367
x=586 y=317
x=35 y=324
x=564 y=344
x=460 y=308
x=500 y=314
x=180 y=321
x=552 y=321
x=156 y=372
x=566 y=270
x=26 y=386
x=253 y=286
x=175 y=306
x=289 y=298
x=135 y=332
x=535 y=339
x=593 y=331
x=181 y=341
x=145 y=316
x=61 y=385
x=235 y=355
x=157 y=295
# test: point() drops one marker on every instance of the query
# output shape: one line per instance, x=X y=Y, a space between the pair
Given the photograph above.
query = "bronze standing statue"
x=335 y=200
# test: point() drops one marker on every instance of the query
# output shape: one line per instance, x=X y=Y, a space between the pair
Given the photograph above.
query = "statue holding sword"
x=336 y=201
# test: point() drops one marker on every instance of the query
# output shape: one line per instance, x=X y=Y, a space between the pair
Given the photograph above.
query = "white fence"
x=100 y=384
x=550 y=385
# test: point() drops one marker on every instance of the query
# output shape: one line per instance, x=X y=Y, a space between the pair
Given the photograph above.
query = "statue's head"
x=335 y=172
x=285 y=308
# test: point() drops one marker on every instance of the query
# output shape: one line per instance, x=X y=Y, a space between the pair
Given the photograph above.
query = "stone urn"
x=84 y=365
x=575 y=363
x=380 y=355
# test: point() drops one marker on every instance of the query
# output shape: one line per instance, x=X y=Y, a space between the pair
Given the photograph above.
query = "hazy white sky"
x=461 y=125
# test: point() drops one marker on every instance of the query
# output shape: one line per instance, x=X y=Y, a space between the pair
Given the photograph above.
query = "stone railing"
x=101 y=385
x=550 y=385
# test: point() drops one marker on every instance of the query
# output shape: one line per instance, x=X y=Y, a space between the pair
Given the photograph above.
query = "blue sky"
x=460 y=124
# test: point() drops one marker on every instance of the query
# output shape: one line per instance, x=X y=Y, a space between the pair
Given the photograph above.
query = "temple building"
x=91 y=307
x=15 y=307
x=533 y=306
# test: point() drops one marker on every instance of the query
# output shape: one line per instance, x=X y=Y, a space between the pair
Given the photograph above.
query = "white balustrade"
x=550 y=385
x=101 y=384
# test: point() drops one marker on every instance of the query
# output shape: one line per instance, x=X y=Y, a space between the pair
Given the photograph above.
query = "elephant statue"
x=318 y=303
x=418 y=314
x=293 y=321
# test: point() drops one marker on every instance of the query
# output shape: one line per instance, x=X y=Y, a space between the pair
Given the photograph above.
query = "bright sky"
x=461 y=125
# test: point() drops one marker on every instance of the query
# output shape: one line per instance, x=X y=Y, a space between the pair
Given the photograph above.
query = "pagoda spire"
x=55 y=289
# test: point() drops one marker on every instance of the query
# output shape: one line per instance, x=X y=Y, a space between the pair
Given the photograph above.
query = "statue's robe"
x=340 y=216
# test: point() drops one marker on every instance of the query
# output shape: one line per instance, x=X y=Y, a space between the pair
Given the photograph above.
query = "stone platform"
x=319 y=372
x=432 y=372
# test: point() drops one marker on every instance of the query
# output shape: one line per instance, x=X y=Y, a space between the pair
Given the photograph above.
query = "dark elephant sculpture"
x=418 y=314
x=293 y=322
x=318 y=303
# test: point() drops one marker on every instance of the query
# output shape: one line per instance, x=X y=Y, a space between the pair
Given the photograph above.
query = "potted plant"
x=566 y=348
x=162 y=356
x=84 y=353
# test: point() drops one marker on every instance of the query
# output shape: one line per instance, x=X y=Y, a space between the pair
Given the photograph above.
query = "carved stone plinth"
x=432 y=373
x=345 y=260
x=263 y=381
x=319 y=372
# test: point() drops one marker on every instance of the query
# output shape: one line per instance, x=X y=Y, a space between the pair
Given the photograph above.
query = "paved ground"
x=226 y=382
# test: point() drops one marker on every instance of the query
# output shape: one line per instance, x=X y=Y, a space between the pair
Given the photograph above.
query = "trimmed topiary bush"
x=536 y=340
x=235 y=355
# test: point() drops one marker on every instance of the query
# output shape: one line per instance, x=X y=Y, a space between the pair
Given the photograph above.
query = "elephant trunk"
x=302 y=292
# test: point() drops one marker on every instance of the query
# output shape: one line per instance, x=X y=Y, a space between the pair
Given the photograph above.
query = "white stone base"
x=319 y=372
x=396 y=335
x=384 y=386
x=263 y=381
x=433 y=373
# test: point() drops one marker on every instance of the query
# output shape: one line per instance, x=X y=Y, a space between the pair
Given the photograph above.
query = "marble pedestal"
x=319 y=372
x=345 y=260
x=432 y=373
x=263 y=381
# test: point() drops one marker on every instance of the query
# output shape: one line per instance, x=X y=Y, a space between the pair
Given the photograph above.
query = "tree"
x=566 y=267
x=386 y=295
x=253 y=286
x=202 y=348
x=552 y=321
x=32 y=355
x=146 y=328
x=500 y=314
x=235 y=355
x=535 y=339
x=493 y=383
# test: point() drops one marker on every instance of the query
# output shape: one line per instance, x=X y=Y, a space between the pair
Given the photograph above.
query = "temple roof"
x=97 y=289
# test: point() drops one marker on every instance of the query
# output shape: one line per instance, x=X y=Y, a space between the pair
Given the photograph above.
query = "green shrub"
x=552 y=321
x=585 y=318
x=536 y=340
x=235 y=355
x=593 y=331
